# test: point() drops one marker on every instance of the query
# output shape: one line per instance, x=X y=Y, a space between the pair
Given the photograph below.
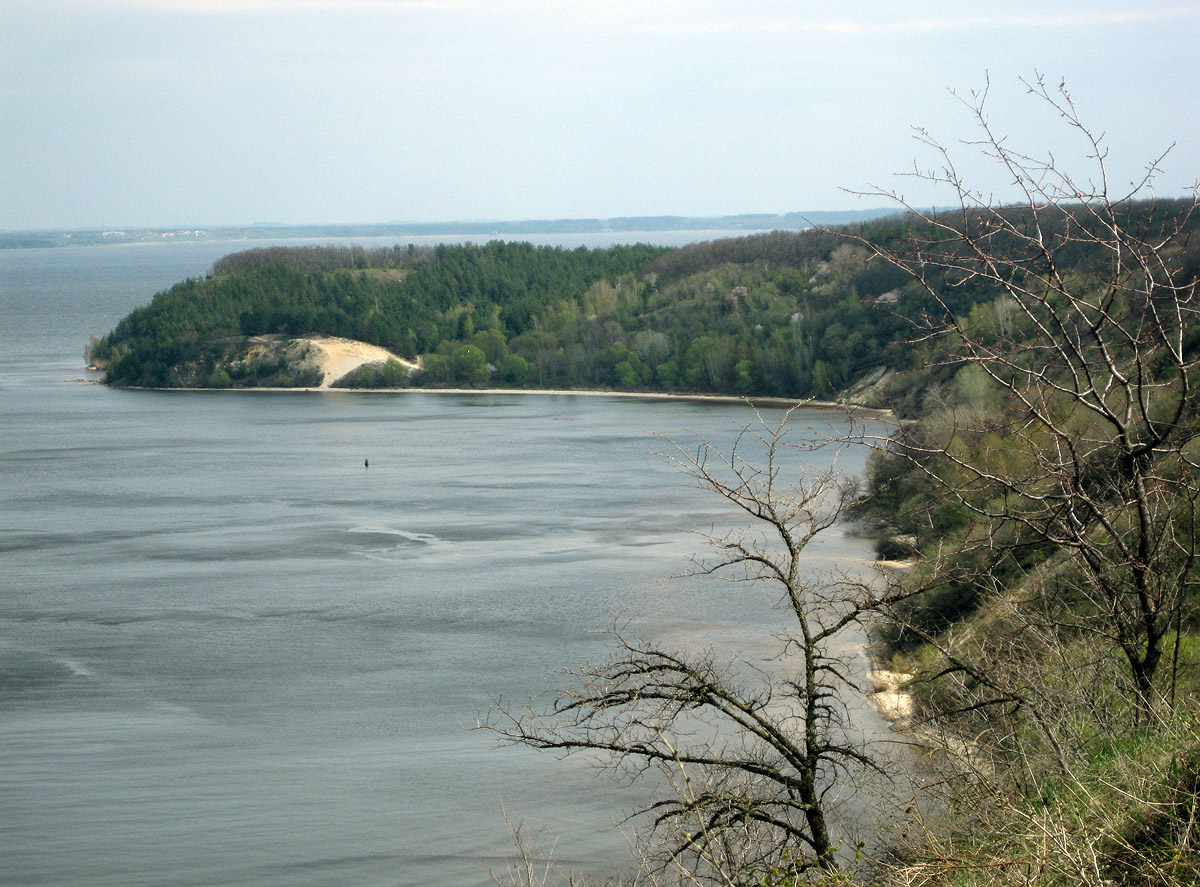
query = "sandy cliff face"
x=335 y=357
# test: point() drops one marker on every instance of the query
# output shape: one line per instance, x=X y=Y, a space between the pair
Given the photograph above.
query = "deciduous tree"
x=751 y=752
x=1081 y=444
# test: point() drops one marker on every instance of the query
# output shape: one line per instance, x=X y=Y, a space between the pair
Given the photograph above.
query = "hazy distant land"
x=266 y=231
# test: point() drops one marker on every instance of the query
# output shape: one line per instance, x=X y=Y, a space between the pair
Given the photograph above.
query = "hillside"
x=783 y=314
x=408 y=301
x=1045 y=486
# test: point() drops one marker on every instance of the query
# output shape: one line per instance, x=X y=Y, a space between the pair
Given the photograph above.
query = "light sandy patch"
x=335 y=357
x=888 y=696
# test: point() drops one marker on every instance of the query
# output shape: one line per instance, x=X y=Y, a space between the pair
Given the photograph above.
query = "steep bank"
x=336 y=357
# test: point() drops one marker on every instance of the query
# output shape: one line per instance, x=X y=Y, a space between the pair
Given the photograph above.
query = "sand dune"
x=335 y=357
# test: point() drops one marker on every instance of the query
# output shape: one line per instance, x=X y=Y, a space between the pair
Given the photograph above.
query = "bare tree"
x=1082 y=445
x=751 y=757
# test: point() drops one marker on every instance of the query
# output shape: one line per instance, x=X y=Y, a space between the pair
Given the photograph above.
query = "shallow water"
x=230 y=654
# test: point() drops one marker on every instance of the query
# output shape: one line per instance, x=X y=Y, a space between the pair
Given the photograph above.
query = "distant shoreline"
x=746 y=223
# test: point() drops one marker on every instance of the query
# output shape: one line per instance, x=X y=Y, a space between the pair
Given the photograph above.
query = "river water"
x=230 y=654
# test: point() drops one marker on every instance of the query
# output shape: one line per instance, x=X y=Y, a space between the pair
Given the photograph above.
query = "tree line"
x=408 y=299
x=784 y=314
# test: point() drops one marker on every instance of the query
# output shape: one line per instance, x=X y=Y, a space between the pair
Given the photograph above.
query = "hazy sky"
x=202 y=112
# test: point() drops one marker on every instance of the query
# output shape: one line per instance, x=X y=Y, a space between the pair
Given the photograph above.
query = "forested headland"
x=783 y=314
x=807 y=314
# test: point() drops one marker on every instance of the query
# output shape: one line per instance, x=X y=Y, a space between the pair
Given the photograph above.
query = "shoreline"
x=558 y=392
x=889 y=693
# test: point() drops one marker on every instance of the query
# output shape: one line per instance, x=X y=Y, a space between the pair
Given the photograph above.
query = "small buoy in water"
x=366 y=463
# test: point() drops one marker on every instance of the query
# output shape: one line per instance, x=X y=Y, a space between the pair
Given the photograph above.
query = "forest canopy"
x=785 y=314
x=781 y=314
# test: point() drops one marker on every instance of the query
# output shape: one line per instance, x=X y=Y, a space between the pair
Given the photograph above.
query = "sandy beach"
x=889 y=697
x=785 y=402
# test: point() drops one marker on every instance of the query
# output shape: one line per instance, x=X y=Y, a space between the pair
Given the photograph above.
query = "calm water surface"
x=232 y=655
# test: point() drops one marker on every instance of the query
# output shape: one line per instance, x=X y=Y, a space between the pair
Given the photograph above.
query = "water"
x=232 y=655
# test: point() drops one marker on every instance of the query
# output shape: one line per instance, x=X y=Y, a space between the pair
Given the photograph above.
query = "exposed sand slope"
x=335 y=357
x=893 y=702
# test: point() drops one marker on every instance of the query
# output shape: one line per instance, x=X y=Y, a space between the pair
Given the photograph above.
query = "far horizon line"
x=588 y=223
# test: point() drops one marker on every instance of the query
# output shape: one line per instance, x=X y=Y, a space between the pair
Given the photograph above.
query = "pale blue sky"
x=203 y=112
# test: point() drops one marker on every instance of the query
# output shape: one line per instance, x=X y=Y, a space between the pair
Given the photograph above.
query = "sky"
x=165 y=113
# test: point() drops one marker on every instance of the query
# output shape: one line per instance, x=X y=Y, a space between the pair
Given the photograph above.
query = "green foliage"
x=783 y=314
x=470 y=365
x=406 y=300
x=513 y=370
x=1046 y=474
x=492 y=343
x=386 y=374
x=1127 y=813
x=435 y=370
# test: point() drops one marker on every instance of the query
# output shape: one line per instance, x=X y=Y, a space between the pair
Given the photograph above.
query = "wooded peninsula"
x=786 y=314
